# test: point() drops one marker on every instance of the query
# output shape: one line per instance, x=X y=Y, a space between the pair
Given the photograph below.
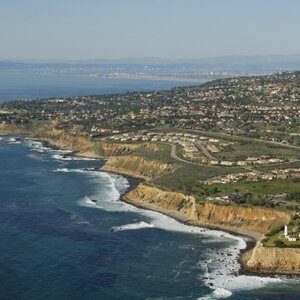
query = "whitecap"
x=63 y=170
x=133 y=226
x=13 y=140
x=218 y=293
x=61 y=156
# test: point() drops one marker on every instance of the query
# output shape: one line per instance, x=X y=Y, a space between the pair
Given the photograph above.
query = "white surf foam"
x=218 y=293
x=57 y=154
x=39 y=147
x=108 y=198
x=222 y=272
x=13 y=140
x=63 y=170
x=133 y=226
x=62 y=156
x=222 y=267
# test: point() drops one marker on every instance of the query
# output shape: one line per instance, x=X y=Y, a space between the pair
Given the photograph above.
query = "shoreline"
x=123 y=173
x=134 y=180
x=250 y=238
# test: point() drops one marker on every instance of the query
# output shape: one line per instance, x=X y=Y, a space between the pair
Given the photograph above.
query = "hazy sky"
x=85 y=29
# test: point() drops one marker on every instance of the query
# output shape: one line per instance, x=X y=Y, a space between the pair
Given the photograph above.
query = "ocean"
x=65 y=234
x=31 y=86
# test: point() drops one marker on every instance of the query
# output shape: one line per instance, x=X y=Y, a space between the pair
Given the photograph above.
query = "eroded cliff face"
x=274 y=260
x=253 y=219
x=13 y=129
x=231 y=217
x=157 y=199
x=137 y=166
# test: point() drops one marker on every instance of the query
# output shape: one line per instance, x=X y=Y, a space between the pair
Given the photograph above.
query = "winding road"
x=174 y=155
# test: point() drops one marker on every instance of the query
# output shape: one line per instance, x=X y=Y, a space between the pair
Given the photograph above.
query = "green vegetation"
x=187 y=175
x=261 y=187
x=254 y=149
x=293 y=164
x=162 y=154
x=276 y=237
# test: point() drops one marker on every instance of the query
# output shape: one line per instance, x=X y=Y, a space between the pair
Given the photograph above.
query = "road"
x=205 y=152
x=207 y=133
x=247 y=168
x=174 y=155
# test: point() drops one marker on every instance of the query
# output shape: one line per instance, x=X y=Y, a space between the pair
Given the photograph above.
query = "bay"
x=31 y=86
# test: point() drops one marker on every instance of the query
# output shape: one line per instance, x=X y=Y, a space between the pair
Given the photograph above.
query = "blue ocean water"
x=56 y=243
x=30 y=86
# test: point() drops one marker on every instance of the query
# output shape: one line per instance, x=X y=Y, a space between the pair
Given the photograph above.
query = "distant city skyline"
x=170 y=29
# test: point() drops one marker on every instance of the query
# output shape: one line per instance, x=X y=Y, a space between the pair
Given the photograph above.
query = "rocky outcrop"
x=137 y=166
x=274 y=260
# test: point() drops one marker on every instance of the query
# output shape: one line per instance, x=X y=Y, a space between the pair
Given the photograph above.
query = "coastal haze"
x=47 y=79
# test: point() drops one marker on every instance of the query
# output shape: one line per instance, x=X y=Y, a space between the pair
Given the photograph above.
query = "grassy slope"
x=278 y=239
x=245 y=150
x=261 y=187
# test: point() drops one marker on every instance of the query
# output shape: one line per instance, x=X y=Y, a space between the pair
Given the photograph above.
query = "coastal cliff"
x=237 y=218
x=274 y=260
x=247 y=221
x=167 y=202
x=230 y=217
x=14 y=129
x=82 y=145
x=137 y=166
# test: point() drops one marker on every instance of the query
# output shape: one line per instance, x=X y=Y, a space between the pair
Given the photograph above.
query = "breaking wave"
x=63 y=170
x=133 y=226
x=218 y=293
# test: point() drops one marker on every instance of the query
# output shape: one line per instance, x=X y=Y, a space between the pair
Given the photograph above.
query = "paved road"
x=246 y=139
x=205 y=152
x=174 y=155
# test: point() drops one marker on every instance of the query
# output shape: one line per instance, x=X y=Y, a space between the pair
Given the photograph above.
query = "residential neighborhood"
x=263 y=107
